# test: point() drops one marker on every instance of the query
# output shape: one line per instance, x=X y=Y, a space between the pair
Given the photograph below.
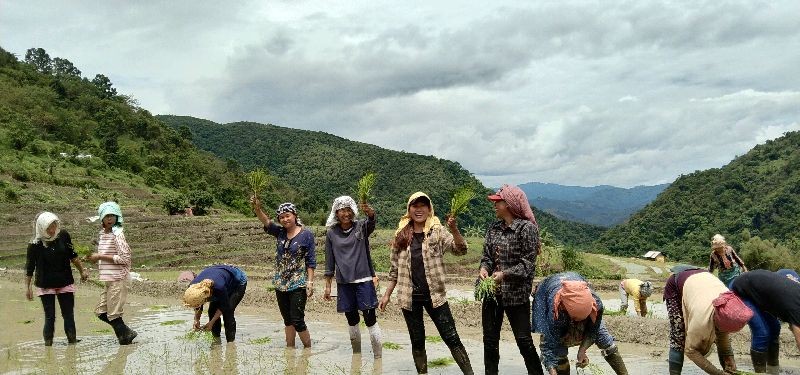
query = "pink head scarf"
x=518 y=205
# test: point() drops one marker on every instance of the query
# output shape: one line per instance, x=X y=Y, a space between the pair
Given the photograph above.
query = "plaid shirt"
x=436 y=243
x=512 y=250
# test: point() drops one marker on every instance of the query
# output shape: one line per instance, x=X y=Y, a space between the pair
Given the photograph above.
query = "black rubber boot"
x=615 y=360
x=124 y=334
x=759 y=361
x=420 y=361
x=773 y=357
x=103 y=317
x=562 y=367
x=462 y=359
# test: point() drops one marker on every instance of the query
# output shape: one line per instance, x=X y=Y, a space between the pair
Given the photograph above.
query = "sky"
x=577 y=93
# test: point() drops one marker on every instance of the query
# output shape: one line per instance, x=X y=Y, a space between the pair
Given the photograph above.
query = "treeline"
x=754 y=201
x=50 y=114
x=322 y=166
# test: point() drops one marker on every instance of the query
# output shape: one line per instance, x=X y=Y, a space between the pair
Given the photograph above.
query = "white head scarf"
x=43 y=221
x=342 y=202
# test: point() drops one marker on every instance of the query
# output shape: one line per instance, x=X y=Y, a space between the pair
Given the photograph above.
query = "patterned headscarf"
x=577 y=299
x=288 y=207
x=518 y=205
x=342 y=202
x=431 y=222
x=43 y=221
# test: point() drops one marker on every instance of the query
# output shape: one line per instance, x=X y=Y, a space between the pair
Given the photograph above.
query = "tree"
x=104 y=86
x=39 y=58
x=65 y=68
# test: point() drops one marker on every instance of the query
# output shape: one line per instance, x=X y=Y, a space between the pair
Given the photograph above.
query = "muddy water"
x=162 y=348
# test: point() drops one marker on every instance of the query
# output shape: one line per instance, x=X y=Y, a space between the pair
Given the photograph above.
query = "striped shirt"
x=437 y=242
x=114 y=244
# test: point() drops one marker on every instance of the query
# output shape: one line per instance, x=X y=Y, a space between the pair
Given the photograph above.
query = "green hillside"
x=323 y=166
x=754 y=201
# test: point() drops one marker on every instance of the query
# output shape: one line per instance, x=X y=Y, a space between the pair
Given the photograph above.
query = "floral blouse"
x=292 y=258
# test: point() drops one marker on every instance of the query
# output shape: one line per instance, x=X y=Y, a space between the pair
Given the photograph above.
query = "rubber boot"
x=376 y=339
x=355 y=339
x=675 y=362
x=562 y=367
x=420 y=360
x=124 y=334
x=462 y=359
x=759 y=361
x=613 y=358
x=103 y=317
x=773 y=355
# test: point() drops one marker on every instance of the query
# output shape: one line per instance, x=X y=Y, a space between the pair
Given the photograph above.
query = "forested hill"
x=63 y=132
x=756 y=197
x=323 y=166
x=602 y=205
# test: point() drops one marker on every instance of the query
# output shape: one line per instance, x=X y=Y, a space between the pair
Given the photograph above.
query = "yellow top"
x=632 y=287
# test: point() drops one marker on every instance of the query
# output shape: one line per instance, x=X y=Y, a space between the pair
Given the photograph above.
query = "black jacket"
x=51 y=262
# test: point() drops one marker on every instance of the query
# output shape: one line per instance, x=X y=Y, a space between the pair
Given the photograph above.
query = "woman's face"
x=51 y=230
x=288 y=220
x=501 y=209
x=109 y=220
x=419 y=212
x=345 y=215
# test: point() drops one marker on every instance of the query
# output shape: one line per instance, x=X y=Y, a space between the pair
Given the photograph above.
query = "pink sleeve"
x=123 y=250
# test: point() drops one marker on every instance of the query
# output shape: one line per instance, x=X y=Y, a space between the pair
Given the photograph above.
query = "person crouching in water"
x=347 y=257
x=701 y=311
x=113 y=259
x=639 y=291
x=295 y=260
x=224 y=287
x=418 y=270
x=568 y=313
x=771 y=296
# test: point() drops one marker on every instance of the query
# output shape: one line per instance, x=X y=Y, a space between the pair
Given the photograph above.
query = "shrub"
x=174 y=202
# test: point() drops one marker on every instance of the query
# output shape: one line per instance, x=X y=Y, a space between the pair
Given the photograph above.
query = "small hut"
x=656 y=256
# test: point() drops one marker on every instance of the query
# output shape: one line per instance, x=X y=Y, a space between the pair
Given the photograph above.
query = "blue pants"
x=764 y=328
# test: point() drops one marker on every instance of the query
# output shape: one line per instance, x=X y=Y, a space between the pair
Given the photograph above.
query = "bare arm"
x=255 y=203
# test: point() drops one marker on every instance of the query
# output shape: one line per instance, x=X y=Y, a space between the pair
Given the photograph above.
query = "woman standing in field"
x=724 y=258
x=295 y=261
x=509 y=256
x=113 y=259
x=224 y=287
x=50 y=252
x=418 y=269
x=347 y=258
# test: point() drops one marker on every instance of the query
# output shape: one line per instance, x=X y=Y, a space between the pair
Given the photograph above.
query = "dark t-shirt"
x=226 y=280
x=771 y=292
x=51 y=261
x=418 y=279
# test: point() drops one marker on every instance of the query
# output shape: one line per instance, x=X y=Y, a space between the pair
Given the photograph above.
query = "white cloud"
x=575 y=93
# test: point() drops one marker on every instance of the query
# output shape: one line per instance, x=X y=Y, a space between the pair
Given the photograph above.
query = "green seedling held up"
x=258 y=181
x=365 y=185
x=460 y=201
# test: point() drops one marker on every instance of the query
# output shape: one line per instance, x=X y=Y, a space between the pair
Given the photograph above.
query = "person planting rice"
x=701 y=311
x=568 y=313
x=725 y=259
x=639 y=292
x=347 y=257
x=113 y=259
x=50 y=252
x=509 y=257
x=295 y=261
x=224 y=287
x=418 y=272
x=771 y=296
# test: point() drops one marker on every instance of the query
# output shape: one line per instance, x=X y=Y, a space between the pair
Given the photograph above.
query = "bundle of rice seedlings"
x=365 y=185
x=460 y=201
x=83 y=251
x=486 y=288
x=257 y=180
x=595 y=369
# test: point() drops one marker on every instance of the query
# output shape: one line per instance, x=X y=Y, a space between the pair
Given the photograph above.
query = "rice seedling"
x=158 y=307
x=172 y=322
x=261 y=341
x=441 y=362
x=104 y=330
x=595 y=369
x=433 y=339
x=195 y=335
x=485 y=288
x=257 y=180
x=83 y=251
x=391 y=346
x=365 y=185
x=460 y=201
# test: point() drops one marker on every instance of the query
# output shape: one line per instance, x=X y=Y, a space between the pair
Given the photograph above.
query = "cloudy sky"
x=583 y=93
